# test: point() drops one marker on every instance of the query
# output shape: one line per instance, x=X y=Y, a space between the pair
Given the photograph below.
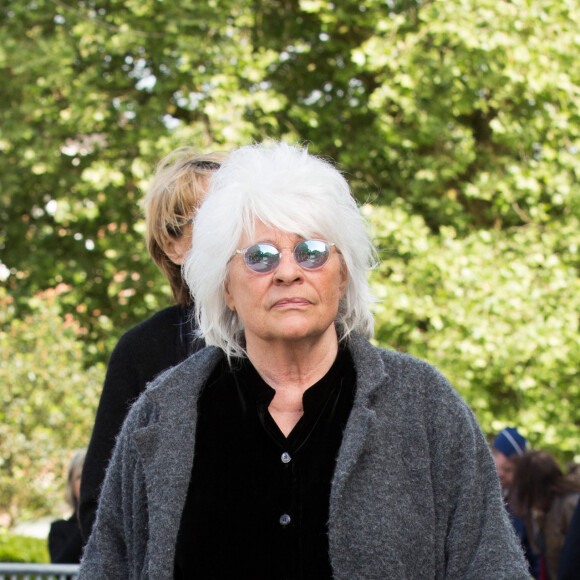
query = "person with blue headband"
x=507 y=445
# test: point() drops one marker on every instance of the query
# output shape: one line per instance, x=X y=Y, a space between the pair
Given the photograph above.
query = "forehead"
x=501 y=459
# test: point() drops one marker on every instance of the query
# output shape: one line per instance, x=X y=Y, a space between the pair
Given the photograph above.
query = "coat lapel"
x=370 y=376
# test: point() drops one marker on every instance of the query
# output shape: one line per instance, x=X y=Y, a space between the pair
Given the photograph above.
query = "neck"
x=294 y=365
x=290 y=368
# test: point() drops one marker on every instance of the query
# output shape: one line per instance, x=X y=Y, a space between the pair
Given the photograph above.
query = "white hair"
x=288 y=189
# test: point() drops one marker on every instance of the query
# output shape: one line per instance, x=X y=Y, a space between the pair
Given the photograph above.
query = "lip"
x=290 y=302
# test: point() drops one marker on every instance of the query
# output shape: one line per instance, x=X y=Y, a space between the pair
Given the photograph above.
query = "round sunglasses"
x=309 y=254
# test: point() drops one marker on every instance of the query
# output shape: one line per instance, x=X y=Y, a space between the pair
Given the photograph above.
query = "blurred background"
x=457 y=123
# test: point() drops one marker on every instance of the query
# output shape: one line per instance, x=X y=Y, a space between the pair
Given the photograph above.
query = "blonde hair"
x=176 y=191
x=75 y=468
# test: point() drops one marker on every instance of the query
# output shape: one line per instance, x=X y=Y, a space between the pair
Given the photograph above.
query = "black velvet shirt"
x=257 y=505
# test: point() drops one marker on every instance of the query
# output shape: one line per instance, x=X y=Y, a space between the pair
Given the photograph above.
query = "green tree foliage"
x=456 y=122
x=496 y=311
x=48 y=403
x=91 y=95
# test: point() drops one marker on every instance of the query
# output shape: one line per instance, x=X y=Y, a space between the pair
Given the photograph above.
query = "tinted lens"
x=262 y=257
x=311 y=254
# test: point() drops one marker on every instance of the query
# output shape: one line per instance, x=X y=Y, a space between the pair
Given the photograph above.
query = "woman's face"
x=505 y=469
x=289 y=303
x=178 y=248
x=77 y=485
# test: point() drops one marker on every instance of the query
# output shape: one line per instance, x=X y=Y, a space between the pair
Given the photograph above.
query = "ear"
x=229 y=298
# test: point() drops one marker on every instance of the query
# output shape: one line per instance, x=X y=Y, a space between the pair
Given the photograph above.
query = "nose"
x=287 y=271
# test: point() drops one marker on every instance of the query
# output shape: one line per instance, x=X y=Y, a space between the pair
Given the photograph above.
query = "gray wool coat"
x=415 y=494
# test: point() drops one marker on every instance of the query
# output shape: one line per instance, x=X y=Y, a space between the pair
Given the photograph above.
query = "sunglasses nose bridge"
x=287 y=258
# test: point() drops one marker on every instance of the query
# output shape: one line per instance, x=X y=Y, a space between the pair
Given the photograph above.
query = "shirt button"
x=285 y=519
x=285 y=457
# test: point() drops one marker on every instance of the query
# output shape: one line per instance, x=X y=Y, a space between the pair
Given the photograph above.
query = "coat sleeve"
x=479 y=540
x=116 y=547
x=122 y=386
x=141 y=354
x=415 y=492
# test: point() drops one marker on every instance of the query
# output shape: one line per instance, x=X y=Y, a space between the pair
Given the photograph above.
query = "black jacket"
x=143 y=352
x=64 y=541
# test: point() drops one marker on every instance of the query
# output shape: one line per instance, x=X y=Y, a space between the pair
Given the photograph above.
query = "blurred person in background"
x=573 y=470
x=64 y=538
x=546 y=498
x=506 y=447
x=569 y=565
x=291 y=447
x=165 y=339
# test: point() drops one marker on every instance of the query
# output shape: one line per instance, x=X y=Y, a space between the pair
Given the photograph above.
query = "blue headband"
x=510 y=442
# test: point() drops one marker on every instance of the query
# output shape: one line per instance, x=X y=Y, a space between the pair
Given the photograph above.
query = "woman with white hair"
x=291 y=447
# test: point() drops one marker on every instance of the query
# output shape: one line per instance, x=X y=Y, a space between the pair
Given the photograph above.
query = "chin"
x=299 y=332
x=295 y=336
